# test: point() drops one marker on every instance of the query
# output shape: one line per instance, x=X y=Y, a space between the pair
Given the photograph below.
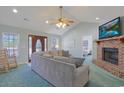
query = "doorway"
x=87 y=45
x=87 y=49
x=36 y=44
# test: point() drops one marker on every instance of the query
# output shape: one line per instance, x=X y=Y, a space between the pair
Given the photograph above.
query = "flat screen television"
x=110 y=29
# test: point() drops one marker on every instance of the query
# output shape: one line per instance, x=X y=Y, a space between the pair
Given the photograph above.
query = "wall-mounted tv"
x=110 y=29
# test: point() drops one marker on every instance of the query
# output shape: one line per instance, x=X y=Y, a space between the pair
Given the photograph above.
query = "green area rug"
x=23 y=76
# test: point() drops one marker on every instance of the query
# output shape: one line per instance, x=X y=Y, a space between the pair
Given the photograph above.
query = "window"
x=10 y=42
x=38 y=45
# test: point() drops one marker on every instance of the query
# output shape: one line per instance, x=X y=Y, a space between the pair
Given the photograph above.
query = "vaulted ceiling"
x=34 y=17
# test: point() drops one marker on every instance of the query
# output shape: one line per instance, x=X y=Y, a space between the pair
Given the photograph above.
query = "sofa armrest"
x=81 y=76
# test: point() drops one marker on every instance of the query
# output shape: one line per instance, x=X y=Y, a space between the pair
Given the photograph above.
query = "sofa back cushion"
x=58 y=53
x=54 y=53
x=63 y=53
x=47 y=55
x=76 y=61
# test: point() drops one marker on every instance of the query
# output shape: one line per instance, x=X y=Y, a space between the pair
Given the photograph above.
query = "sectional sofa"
x=60 y=71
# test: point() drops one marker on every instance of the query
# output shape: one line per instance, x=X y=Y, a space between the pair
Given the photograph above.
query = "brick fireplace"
x=110 y=55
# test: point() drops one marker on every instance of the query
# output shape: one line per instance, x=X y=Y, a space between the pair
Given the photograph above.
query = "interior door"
x=36 y=43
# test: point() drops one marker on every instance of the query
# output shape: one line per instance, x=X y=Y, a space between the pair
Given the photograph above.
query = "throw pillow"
x=76 y=61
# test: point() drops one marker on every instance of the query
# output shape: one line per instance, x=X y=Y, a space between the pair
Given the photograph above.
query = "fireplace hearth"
x=110 y=55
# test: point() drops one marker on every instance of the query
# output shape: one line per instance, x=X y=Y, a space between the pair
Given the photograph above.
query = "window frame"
x=15 y=48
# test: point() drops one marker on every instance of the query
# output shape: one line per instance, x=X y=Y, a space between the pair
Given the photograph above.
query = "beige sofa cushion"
x=63 y=53
x=77 y=61
x=54 y=53
x=58 y=53
x=47 y=55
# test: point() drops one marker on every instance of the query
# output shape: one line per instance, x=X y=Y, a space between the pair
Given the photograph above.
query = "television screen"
x=110 y=29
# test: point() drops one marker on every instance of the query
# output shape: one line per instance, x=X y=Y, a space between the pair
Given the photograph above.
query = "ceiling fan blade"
x=71 y=21
x=67 y=24
x=53 y=21
x=68 y=21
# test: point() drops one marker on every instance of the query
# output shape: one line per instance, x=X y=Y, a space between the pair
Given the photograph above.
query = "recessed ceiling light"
x=15 y=11
x=47 y=21
x=97 y=18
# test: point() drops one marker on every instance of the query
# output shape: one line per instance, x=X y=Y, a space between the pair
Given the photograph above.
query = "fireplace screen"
x=110 y=55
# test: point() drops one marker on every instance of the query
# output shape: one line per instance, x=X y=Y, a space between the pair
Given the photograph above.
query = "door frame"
x=31 y=35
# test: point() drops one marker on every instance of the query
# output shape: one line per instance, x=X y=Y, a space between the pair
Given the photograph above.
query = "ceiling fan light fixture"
x=58 y=25
x=64 y=25
x=61 y=22
x=61 y=25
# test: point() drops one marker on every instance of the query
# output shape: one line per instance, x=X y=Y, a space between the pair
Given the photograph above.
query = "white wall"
x=23 y=40
x=76 y=35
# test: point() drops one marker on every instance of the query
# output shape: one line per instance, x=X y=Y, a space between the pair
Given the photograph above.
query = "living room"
x=79 y=43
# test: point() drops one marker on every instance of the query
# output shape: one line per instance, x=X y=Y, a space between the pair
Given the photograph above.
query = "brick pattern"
x=114 y=69
x=117 y=70
x=111 y=44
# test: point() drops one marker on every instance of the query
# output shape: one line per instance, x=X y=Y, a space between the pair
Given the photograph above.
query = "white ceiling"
x=37 y=15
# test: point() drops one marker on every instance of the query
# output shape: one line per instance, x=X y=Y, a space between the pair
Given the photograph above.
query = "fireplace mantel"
x=121 y=38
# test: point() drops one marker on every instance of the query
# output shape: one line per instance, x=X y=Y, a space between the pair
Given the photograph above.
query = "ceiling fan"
x=61 y=22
